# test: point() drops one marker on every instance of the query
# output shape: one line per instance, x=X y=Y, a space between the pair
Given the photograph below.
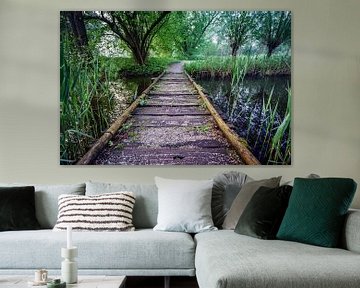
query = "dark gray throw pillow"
x=263 y=215
x=225 y=189
x=243 y=198
x=17 y=208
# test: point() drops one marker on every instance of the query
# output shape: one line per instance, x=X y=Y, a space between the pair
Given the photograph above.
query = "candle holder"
x=69 y=271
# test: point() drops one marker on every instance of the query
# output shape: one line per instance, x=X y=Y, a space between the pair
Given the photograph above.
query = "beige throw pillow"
x=243 y=198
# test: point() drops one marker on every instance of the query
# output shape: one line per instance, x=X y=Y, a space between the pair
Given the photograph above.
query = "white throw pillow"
x=184 y=205
x=104 y=212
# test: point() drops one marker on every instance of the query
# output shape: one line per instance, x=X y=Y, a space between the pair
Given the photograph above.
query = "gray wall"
x=326 y=89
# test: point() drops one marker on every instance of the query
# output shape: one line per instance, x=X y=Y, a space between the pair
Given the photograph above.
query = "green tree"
x=274 y=29
x=191 y=32
x=237 y=26
x=165 y=42
x=136 y=29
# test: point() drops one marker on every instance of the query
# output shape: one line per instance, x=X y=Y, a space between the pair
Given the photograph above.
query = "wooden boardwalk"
x=170 y=126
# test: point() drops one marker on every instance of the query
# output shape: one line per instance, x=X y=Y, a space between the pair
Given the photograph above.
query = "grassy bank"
x=126 y=67
x=250 y=66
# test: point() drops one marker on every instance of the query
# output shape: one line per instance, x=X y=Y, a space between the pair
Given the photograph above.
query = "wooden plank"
x=173 y=156
x=174 y=80
x=169 y=110
x=174 y=94
x=170 y=121
x=168 y=91
x=172 y=150
x=175 y=98
x=192 y=144
x=174 y=77
x=172 y=102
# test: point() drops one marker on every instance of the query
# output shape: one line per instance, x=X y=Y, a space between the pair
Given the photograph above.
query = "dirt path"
x=171 y=127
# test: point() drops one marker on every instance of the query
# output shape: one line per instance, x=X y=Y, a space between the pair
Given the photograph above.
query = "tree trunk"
x=139 y=56
x=234 y=49
x=78 y=29
x=270 y=51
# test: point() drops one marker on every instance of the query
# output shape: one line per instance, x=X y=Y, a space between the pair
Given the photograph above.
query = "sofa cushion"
x=46 y=200
x=17 y=208
x=146 y=205
x=184 y=205
x=105 y=212
x=243 y=198
x=225 y=189
x=351 y=237
x=225 y=259
x=263 y=215
x=142 y=249
x=317 y=209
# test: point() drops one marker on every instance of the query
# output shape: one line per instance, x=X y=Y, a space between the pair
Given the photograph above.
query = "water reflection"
x=236 y=100
x=256 y=108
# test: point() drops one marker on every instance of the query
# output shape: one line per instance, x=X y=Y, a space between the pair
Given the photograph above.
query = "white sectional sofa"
x=219 y=259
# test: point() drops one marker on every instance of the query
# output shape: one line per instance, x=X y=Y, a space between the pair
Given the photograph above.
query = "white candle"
x=69 y=237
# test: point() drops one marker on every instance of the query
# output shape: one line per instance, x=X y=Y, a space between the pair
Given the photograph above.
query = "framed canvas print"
x=175 y=88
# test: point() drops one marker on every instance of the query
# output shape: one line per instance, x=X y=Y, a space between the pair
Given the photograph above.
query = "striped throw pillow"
x=105 y=212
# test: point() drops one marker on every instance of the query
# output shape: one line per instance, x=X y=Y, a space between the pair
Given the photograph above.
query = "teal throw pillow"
x=316 y=211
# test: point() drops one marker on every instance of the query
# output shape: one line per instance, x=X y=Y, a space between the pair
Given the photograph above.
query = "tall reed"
x=85 y=103
x=280 y=151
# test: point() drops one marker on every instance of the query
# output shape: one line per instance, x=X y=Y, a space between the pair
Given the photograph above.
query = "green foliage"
x=143 y=101
x=282 y=138
x=85 y=101
x=136 y=29
x=190 y=34
x=191 y=29
x=128 y=67
x=120 y=146
x=165 y=43
x=274 y=29
x=202 y=129
x=126 y=126
x=85 y=105
x=238 y=26
x=238 y=67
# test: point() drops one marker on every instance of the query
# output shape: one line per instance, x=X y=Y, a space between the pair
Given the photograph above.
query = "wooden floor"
x=158 y=282
x=171 y=126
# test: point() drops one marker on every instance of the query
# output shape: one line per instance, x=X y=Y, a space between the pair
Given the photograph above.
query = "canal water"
x=253 y=107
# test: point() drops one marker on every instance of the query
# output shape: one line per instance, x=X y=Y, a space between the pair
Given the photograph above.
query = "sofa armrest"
x=351 y=234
